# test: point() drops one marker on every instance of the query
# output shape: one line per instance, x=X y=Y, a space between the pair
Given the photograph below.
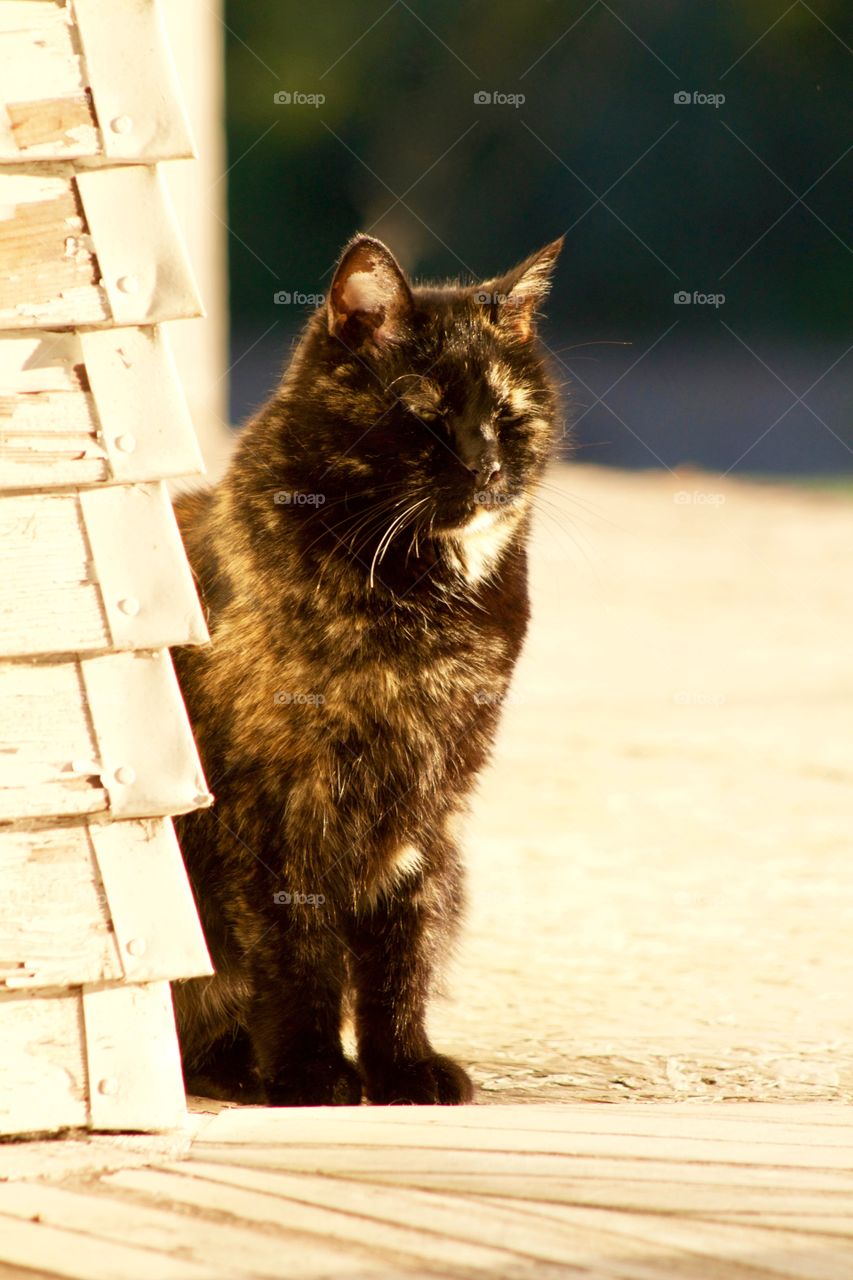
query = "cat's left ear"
x=516 y=297
x=370 y=300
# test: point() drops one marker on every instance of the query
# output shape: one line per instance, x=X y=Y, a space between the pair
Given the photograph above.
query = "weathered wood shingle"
x=95 y=748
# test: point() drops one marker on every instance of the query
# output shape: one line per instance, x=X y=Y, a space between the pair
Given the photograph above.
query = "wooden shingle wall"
x=96 y=752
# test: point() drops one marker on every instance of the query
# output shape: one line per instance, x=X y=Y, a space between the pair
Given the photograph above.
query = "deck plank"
x=576 y=1131
x=164 y=1232
x=475 y=1170
x=253 y=1198
x=798 y=1256
x=546 y=1240
x=649 y=1192
x=75 y=1256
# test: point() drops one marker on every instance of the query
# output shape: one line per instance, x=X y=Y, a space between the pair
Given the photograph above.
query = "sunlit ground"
x=661 y=887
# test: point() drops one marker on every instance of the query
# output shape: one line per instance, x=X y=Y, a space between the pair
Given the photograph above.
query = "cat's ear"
x=515 y=297
x=370 y=300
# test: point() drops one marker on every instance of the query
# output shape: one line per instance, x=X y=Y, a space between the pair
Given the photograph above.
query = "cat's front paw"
x=331 y=1081
x=435 y=1080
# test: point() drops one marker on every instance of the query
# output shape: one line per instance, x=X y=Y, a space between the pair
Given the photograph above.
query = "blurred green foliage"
x=482 y=185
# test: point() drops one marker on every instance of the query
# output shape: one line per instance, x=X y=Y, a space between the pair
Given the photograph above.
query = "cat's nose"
x=486 y=471
x=478 y=450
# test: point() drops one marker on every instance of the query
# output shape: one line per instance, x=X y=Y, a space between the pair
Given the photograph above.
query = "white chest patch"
x=402 y=865
x=481 y=542
x=407 y=861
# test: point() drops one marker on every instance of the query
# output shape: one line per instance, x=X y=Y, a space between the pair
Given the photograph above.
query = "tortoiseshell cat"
x=363 y=564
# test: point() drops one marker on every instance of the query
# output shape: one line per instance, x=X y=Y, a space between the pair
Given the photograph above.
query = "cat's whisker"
x=575 y=512
x=415 y=522
x=378 y=508
x=414 y=545
x=384 y=510
x=558 y=518
x=371 y=523
x=602 y=342
x=388 y=536
x=566 y=532
x=396 y=528
x=589 y=508
x=366 y=523
x=420 y=376
x=561 y=513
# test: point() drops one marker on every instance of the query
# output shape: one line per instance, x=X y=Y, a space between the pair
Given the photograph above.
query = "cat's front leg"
x=295 y=1020
x=394 y=942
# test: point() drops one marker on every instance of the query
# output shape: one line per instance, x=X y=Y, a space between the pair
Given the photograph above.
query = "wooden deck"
x=623 y=1192
x=657 y=969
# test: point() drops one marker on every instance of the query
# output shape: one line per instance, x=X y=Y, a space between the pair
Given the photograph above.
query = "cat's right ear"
x=370 y=300
x=517 y=295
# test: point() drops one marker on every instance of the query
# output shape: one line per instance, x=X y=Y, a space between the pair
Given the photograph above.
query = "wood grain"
x=92 y=923
x=49 y=431
x=132 y=1058
x=48 y=112
x=660 y=1211
x=96 y=903
x=48 y=752
x=48 y=269
x=43 y=1082
x=82 y=409
x=56 y=928
x=69 y=562
x=55 y=126
x=49 y=599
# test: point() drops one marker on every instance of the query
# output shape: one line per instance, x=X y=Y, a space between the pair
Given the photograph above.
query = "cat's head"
x=431 y=402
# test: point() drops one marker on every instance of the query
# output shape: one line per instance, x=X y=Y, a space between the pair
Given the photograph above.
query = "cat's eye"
x=430 y=417
x=508 y=418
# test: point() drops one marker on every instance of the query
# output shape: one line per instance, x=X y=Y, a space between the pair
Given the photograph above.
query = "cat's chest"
x=427 y=680
x=414 y=718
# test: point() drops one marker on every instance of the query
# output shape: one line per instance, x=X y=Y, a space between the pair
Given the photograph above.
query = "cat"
x=363 y=567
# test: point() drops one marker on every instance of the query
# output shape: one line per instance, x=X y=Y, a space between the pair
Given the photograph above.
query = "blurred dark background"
x=745 y=197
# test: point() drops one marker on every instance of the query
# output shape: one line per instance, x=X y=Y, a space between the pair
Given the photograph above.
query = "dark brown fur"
x=354 y=682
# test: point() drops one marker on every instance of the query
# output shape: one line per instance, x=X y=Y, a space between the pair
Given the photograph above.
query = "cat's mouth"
x=473 y=512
